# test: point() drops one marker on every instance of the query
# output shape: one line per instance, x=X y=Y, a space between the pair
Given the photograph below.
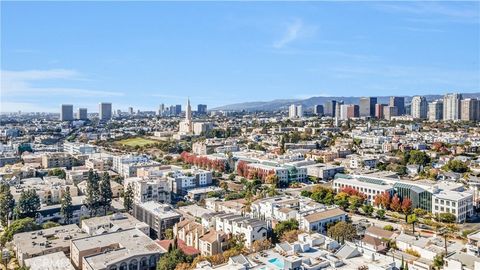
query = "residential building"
x=105 y=111
x=469 y=109
x=379 y=110
x=37 y=243
x=126 y=249
x=149 y=189
x=419 y=107
x=452 y=107
x=82 y=114
x=295 y=111
x=78 y=148
x=330 y=108
x=435 y=110
x=317 y=221
x=389 y=112
x=57 y=160
x=158 y=216
x=66 y=114
x=113 y=223
x=455 y=202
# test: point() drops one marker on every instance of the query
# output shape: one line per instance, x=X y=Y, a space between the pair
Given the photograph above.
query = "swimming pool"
x=277 y=262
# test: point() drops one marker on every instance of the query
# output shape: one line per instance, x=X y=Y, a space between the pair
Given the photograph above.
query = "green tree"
x=446 y=217
x=66 y=208
x=49 y=224
x=128 y=198
x=18 y=226
x=285 y=226
x=342 y=231
x=105 y=193
x=418 y=157
x=438 y=261
x=456 y=166
x=412 y=219
x=170 y=260
x=93 y=194
x=367 y=209
x=29 y=203
x=7 y=203
x=169 y=233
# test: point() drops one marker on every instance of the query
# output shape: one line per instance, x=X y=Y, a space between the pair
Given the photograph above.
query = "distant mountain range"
x=282 y=104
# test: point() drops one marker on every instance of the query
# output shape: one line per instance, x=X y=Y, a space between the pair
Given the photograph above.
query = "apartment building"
x=113 y=223
x=126 y=249
x=458 y=203
x=78 y=148
x=149 y=189
x=57 y=160
x=182 y=181
x=158 y=216
x=33 y=244
x=318 y=220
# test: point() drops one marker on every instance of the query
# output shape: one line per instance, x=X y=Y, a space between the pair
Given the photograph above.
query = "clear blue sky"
x=142 y=54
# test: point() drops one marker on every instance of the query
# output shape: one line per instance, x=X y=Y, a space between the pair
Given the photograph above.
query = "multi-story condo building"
x=452 y=107
x=78 y=148
x=66 y=114
x=295 y=111
x=390 y=111
x=398 y=102
x=318 y=220
x=379 y=110
x=318 y=110
x=158 y=216
x=56 y=160
x=125 y=249
x=458 y=203
x=469 y=109
x=367 y=106
x=127 y=165
x=182 y=181
x=105 y=111
x=82 y=114
x=149 y=189
x=113 y=223
x=419 y=107
x=435 y=110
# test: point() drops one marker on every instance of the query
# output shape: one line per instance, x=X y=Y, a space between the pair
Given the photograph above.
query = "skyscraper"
x=318 y=110
x=419 y=107
x=389 y=111
x=66 y=113
x=451 y=107
x=379 y=110
x=82 y=114
x=367 y=106
x=202 y=109
x=186 y=126
x=161 y=109
x=337 y=108
x=469 y=109
x=435 y=110
x=105 y=111
x=398 y=102
x=178 y=108
x=130 y=110
x=295 y=111
x=329 y=108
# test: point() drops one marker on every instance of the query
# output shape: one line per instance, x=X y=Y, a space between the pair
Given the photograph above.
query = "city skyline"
x=224 y=53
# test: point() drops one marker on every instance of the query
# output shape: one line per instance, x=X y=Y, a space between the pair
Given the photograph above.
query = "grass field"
x=136 y=141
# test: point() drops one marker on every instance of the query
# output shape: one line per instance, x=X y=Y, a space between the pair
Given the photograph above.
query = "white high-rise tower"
x=186 y=126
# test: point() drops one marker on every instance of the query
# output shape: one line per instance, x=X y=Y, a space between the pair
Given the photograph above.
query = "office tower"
x=398 y=102
x=172 y=110
x=66 y=113
x=389 y=112
x=469 y=109
x=130 y=110
x=178 y=109
x=186 y=126
x=337 y=108
x=435 y=110
x=379 y=110
x=329 y=108
x=353 y=111
x=202 y=109
x=105 y=111
x=82 y=114
x=367 y=106
x=318 y=110
x=299 y=111
x=161 y=109
x=451 y=107
x=419 y=107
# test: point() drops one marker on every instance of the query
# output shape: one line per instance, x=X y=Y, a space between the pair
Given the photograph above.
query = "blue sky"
x=142 y=54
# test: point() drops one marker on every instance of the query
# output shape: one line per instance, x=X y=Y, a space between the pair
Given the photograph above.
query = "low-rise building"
x=158 y=216
x=113 y=223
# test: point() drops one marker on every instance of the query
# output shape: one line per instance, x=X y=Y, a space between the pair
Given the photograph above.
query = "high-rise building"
x=451 y=107
x=202 y=109
x=66 y=113
x=419 y=107
x=130 y=110
x=379 y=110
x=172 y=111
x=329 y=108
x=161 y=109
x=295 y=111
x=105 y=111
x=82 y=114
x=398 y=102
x=469 y=109
x=337 y=108
x=389 y=112
x=367 y=106
x=435 y=110
x=318 y=110
x=178 y=109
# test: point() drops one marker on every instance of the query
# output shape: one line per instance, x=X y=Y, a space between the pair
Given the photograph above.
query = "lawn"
x=136 y=141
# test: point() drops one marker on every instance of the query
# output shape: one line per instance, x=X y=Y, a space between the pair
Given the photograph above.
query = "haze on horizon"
x=141 y=54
